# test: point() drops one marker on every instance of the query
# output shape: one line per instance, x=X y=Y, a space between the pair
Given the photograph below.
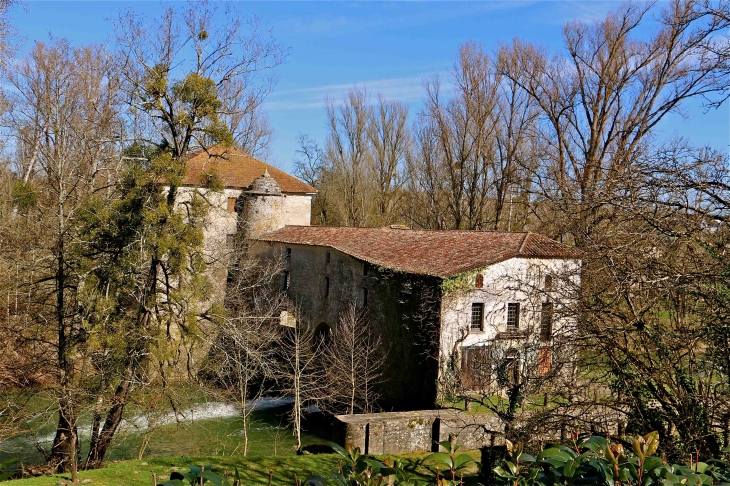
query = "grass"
x=268 y=436
x=253 y=471
x=140 y=473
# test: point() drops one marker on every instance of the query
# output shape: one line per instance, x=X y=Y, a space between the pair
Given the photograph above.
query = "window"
x=544 y=361
x=363 y=297
x=231 y=204
x=326 y=287
x=284 y=280
x=548 y=283
x=479 y=281
x=365 y=269
x=327 y=257
x=513 y=316
x=546 y=321
x=477 y=317
x=287 y=256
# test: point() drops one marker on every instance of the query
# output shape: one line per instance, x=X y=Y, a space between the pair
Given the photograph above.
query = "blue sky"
x=387 y=47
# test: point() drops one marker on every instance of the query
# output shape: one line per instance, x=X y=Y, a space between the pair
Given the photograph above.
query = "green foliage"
x=6 y=468
x=24 y=194
x=199 y=475
x=594 y=460
x=211 y=180
x=359 y=470
x=451 y=460
x=463 y=281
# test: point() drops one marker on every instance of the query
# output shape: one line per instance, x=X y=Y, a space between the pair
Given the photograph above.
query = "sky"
x=386 y=47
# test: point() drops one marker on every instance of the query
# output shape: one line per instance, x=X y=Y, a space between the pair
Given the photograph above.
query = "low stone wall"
x=397 y=432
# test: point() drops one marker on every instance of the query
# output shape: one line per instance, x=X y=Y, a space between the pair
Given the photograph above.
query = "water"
x=204 y=429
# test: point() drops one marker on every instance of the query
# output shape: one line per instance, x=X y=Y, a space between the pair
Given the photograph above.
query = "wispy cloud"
x=405 y=89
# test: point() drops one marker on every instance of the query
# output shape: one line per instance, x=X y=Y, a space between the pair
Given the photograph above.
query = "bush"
x=594 y=460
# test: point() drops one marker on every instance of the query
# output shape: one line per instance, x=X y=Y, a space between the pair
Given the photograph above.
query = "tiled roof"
x=237 y=170
x=437 y=253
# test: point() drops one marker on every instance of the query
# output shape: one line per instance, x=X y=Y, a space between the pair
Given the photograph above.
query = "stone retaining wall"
x=397 y=432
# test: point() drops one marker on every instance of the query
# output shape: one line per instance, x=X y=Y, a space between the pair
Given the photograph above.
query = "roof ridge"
x=520 y=251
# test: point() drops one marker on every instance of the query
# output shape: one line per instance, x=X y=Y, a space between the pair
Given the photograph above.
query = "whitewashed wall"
x=514 y=280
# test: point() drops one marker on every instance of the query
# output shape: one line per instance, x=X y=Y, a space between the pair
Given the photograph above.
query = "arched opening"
x=323 y=334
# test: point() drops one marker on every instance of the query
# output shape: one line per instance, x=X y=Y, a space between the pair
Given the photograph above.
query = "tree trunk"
x=100 y=443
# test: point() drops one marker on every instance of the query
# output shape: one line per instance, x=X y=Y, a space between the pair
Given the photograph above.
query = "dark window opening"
x=232 y=204
x=363 y=297
x=284 y=280
x=323 y=334
x=327 y=257
x=479 y=281
x=365 y=269
x=513 y=315
x=477 y=317
x=546 y=321
x=548 y=283
x=326 y=287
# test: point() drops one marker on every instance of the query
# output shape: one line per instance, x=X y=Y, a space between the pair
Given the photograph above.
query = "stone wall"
x=402 y=310
x=398 y=432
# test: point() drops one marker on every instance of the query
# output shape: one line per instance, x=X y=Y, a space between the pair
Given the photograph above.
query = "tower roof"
x=237 y=170
x=264 y=185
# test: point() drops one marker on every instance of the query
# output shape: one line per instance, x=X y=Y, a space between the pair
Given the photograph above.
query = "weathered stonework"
x=402 y=309
x=399 y=432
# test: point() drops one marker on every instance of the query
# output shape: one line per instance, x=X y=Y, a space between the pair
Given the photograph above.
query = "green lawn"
x=253 y=471
x=139 y=473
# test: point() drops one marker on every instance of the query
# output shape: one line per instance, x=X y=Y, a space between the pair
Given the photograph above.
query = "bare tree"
x=65 y=121
x=601 y=101
x=353 y=360
x=457 y=149
x=243 y=353
x=347 y=156
x=390 y=145
x=300 y=372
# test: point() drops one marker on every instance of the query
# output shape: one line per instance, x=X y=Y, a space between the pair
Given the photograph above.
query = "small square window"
x=477 y=317
x=513 y=315
x=232 y=204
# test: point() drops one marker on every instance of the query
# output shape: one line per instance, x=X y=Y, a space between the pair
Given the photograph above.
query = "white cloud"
x=405 y=89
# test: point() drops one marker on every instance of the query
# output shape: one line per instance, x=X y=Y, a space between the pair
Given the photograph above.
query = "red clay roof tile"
x=237 y=170
x=436 y=253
